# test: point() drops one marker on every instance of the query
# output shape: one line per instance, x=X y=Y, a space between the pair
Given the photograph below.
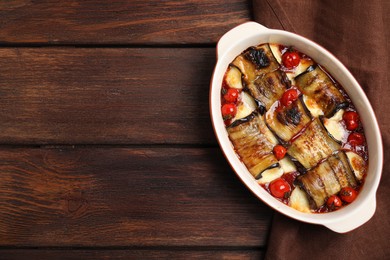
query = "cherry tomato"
x=279 y=188
x=348 y=194
x=334 y=202
x=290 y=59
x=279 y=151
x=355 y=139
x=231 y=95
x=229 y=110
x=351 y=119
x=289 y=96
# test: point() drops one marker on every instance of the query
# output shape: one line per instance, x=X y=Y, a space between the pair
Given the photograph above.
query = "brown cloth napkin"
x=356 y=32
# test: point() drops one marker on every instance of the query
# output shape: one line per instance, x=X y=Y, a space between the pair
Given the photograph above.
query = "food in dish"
x=294 y=128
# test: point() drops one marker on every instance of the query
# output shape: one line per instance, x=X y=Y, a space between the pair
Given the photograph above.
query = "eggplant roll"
x=313 y=145
x=315 y=83
x=327 y=178
x=255 y=62
x=288 y=121
x=269 y=88
x=253 y=142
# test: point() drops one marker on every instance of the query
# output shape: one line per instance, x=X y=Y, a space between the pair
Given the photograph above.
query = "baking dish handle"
x=239 y=32
x=361 y=216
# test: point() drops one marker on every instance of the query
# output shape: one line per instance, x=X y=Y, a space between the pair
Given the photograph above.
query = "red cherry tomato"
x=279 y=151
x=355 y=139
x=289 y=96
x=351 y=119
x=290 y=59
x=279 y=188
x=348 y=194
x=231 y=95
x=334 y=202
x=229 y=110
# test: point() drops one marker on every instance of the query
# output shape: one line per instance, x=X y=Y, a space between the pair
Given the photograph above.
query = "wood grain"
x=177 y=253
x=119 y=22
x=126 y=197
x=105 y=96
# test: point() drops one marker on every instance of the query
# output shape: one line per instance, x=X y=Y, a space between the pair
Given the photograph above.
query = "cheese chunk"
x=358 y=164
x=270 y=175
x=312 y=106
x=334 y=126
x=299 y=200
x=287 y=165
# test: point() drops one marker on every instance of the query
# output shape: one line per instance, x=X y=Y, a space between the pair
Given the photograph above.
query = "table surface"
x=107 y=148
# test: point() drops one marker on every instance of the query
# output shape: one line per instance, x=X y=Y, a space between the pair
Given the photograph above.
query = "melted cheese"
x=270 y=175
x=233 y=78
x=312 y=106
x=276 y=52
x=287 y=165
x=245 y=107
x=357 y=163
x=334 y=126
x=299 y=200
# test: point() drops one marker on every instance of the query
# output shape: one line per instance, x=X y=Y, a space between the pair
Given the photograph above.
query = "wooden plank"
x=126 y=197
x=145 y=254
x=105 y=96
x=119 y=22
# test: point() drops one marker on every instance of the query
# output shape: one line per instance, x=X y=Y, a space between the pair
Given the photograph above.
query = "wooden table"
x=107 y=148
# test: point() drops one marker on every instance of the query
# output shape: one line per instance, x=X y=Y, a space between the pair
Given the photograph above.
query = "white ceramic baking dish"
x=249 y=34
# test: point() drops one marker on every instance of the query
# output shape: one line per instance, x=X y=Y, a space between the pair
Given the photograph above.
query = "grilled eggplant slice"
x=233 y=77
x=327 y=178
x=253 y=142
x=342 y=169
x=255 y=62
x=313 y=145
x=288 y=121
x=287 y=165
x=269 y=88
x=315 y=83
x=326 y=174
x=314 y=187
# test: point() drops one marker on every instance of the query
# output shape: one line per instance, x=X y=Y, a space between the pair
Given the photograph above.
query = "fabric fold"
x=357 y=33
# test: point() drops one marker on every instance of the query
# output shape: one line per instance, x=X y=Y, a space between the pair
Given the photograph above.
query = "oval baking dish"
x=240 y=38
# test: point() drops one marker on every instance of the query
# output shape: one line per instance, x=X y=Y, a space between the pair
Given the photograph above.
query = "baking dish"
x=249 y=34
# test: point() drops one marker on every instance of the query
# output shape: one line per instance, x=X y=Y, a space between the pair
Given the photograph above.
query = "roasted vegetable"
x=315 y=83
x=287 y=121
x=342 y=169
x=255 y=62
x=253 y=142
x=269 y=88
x=327 y=178
x=313 y=145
